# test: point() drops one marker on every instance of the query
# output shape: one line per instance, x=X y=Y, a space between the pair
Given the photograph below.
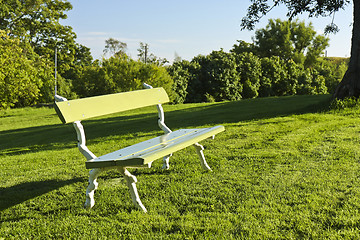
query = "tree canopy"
x=30 y=33
x=286 y=39
x=350 y=84
x=23 y=74
x=38 y=23
x=314 y=8
x=115 y=47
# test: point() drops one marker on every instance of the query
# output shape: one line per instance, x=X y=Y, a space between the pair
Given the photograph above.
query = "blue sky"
x=187 y=28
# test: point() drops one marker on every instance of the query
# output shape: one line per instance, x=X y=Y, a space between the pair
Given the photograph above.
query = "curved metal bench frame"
x=138 y=155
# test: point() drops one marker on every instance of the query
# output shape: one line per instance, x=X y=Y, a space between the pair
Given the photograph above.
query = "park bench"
x=139 y=155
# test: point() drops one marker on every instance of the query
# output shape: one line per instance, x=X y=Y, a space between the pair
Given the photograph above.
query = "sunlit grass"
x=284 y=168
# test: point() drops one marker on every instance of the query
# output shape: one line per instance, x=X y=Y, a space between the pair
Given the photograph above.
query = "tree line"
x=285 y=58
x=223 y=76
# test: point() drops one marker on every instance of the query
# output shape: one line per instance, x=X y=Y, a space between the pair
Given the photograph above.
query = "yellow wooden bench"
x=138 y=155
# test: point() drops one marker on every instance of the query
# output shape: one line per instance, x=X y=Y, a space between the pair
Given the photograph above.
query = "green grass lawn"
x=285 y=168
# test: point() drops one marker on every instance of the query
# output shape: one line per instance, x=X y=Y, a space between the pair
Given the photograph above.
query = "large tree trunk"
x=350 y=84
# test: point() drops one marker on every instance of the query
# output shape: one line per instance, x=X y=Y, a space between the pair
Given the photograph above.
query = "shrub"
x=181 y=73
x=249 y=68
x=339 y=104
x=216 y=75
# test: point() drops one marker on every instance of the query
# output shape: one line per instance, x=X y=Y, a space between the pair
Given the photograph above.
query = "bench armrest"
x=59 y=98
x=161 y=120
x=80 y=133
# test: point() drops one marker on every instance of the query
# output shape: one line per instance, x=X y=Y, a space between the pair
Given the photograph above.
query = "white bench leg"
x=131 y=182
x=166 y=162
x=199 y=150
x=93 y=184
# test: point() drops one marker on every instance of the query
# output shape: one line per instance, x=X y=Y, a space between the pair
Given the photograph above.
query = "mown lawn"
x=285 y=168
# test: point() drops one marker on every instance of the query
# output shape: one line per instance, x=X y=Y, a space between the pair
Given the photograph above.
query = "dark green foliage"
x=340 y=104
x=242 y=47
x=279 y=77
x=293 y=71
x=288 y=40
x=273 y=73
x=207 y=78
x=333 y=70
x=249 y=68
x=181 y=72
x=218 y=77
x=274 y=40
x=232 y=76
x=349 y=86
x=283 y=60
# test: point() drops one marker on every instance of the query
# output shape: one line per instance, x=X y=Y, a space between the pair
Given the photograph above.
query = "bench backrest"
x=85 y=108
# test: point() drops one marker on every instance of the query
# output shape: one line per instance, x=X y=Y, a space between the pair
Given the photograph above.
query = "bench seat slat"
x=85 y=108
x=148 y=151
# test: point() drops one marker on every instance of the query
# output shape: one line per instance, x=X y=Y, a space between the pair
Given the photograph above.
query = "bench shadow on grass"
x=20 y=193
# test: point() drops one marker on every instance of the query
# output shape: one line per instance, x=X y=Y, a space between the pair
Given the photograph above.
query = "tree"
x=243 y=47
x=143 y=52
x=33 y=20
x=183 y=72
x=23 y=74
x=38 y=23
x=350 y=84
x=249 y=69
x=146 y=57
x=217 y=78
x=115 y=47
x=288 y=40
x=177 y=58
x=275 y=40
